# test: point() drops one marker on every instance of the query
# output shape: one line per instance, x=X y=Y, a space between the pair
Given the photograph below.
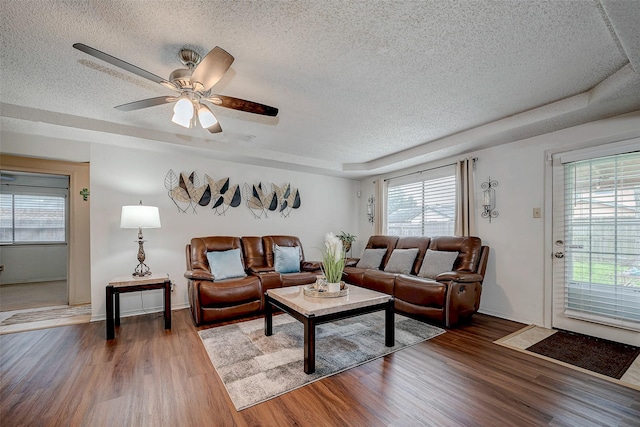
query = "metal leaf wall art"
x=186 y=192
x=260 y=200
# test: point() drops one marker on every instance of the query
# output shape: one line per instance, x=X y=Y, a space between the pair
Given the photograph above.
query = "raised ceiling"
x=363 y=87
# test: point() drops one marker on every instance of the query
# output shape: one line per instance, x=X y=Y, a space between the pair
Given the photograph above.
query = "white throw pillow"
x=437 y=262
x=371 y=258
x=401 y=261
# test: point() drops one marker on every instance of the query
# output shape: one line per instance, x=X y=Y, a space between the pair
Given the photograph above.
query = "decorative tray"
x=318 y=290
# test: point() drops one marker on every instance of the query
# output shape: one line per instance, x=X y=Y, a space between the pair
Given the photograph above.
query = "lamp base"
x=141 y=270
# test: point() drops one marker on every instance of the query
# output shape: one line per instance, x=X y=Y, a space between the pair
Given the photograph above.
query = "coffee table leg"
x=389 y=325
x=110 y=327
x=268 y=317
x=309 y=345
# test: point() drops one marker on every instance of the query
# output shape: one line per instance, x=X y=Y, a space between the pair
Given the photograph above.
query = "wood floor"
x=72 y=376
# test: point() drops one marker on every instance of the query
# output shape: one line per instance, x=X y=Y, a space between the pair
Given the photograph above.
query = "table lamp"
x=140 y=217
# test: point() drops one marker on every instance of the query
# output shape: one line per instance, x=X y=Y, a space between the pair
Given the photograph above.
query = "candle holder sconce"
x=489 y=199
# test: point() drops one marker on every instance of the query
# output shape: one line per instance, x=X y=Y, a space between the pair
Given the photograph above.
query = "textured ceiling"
x=363 y=87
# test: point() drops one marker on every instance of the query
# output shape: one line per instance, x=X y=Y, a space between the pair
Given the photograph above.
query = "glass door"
x=596 y=244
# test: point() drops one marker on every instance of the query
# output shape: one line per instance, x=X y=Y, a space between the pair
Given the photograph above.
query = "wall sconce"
x=489 y=199
x=371 y=209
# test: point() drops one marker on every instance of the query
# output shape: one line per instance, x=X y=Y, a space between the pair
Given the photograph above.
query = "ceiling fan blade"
x=212 y=67
x=118 y=63
x=243 y=105
x=145 y=103
x=215 y=128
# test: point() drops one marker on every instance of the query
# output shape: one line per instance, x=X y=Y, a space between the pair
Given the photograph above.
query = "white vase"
x=333 y=287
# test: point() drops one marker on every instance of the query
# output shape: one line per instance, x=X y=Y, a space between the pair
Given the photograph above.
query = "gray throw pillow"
x=371 y=258
x=401 y=261
x=437 y=262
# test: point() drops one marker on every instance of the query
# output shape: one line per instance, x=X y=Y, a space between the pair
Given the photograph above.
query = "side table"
x=135 y=284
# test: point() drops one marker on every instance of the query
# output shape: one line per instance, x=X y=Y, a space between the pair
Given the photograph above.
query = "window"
x=422 y=204
x=33 y=208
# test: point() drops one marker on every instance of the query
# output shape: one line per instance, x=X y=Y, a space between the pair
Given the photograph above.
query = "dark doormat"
x=594 y=354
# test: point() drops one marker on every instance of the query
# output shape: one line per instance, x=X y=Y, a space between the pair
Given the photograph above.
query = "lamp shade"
x=139 y=216
x=183 y=112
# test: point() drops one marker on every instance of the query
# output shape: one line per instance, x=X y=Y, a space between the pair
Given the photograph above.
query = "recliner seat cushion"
x=401 y=261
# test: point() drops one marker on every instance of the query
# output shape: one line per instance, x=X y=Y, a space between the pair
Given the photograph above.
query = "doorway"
x=34 y=223
x=596 y=241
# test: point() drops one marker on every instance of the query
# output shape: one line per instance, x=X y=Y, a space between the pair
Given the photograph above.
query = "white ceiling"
x=363 y=87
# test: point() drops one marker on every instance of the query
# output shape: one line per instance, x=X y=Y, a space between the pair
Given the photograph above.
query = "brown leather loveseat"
x=448 y=296
x=242 y=293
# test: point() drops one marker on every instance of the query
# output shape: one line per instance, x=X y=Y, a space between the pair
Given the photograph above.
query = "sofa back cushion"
x=419 y=242
x=383 y=242
x=468 y=248
x=201 y=245
x=270 y=242
x=253 y=252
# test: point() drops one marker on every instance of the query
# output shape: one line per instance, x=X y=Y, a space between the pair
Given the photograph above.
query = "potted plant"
x=347 y=239
x=333 y=259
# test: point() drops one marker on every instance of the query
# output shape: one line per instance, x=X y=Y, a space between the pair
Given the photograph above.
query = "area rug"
x=53 y=314
x=255 y=368
x=606 y=359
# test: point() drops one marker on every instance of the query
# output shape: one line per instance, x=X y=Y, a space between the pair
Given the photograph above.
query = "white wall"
x=517 y=273
x=33 y=263
x=122 y=176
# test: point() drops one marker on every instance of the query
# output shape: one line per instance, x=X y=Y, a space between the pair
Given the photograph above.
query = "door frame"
x=628 y=139
x=79 y=259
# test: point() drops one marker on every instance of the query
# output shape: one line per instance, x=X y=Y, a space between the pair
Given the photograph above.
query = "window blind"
x=602 y=239
x=28 y=218
x=422 y=205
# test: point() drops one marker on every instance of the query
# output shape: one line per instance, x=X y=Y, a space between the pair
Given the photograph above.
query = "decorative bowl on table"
x=319 y=289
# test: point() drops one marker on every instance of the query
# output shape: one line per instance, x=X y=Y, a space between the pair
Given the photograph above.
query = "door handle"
x=559 y=255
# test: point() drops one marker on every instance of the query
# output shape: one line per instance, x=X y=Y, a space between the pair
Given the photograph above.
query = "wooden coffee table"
x=314 y=311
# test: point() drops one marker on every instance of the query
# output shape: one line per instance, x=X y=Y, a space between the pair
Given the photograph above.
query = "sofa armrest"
x=459 y=276
x=310 y=266
x=199 y=275
x=351 y=262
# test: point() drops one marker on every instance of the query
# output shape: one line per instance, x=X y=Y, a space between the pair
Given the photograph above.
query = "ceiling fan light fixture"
x=206 y=117
x=183 y=113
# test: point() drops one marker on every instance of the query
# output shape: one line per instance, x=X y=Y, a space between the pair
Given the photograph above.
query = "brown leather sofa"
x=213 y=300
x=450 y=298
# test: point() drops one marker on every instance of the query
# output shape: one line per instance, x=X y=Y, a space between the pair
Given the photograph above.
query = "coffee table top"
x=294 y=297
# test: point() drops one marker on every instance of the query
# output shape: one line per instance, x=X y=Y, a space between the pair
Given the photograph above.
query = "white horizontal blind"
x=27 y=218
x=423 y=205
x=602 y=240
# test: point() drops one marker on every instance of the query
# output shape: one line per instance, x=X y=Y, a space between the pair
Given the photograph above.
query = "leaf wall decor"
x=186 y=192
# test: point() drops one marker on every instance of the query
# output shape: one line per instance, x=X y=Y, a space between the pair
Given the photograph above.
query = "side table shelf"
x=135 y=284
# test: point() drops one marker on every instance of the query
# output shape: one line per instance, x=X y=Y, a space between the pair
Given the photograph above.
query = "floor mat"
x=586 y=354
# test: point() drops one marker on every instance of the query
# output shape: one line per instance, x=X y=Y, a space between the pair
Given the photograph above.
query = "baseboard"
x=507 y=317
x=159 y=309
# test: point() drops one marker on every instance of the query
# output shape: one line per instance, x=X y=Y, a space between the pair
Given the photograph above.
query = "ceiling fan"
x=193 y=85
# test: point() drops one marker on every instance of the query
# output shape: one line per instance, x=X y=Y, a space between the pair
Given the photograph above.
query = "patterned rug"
x=602 y=358
x=56 y=313
x=255 y=368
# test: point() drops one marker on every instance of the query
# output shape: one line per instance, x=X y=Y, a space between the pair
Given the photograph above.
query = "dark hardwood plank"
x=149 y=376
